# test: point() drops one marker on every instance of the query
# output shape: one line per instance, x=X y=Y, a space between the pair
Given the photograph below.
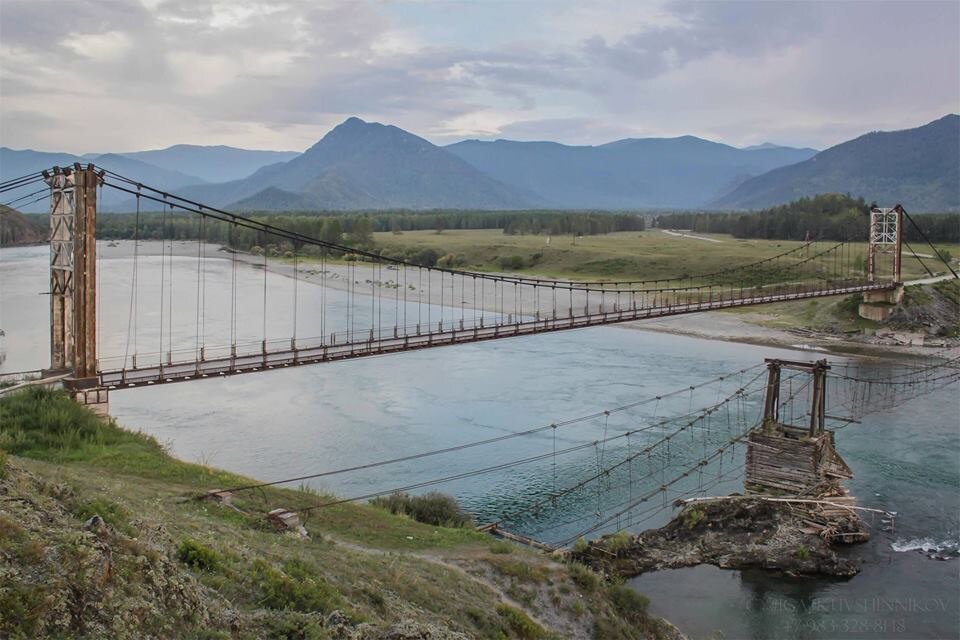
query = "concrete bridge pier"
x=880 y=305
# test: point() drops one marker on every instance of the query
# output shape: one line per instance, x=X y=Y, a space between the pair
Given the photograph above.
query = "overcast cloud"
x=97 y=75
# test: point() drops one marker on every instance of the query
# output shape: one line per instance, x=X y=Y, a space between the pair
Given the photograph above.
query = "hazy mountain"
x=327 y=191
x=15 y=163
x=626 y=174
x=211 y=164
x=360 y=165
x=919 y=168
x=771 y=145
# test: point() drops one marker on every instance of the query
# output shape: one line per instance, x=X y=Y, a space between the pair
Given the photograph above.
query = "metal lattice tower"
x=886 y=229
x=73 y=275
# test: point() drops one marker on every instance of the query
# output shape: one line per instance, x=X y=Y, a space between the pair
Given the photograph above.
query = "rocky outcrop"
x=734 y=533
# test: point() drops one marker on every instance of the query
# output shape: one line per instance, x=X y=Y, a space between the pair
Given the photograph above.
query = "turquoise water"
x=905 y=461
x=291 y=422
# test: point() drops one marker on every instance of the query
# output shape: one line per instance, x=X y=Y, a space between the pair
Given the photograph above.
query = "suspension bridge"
x=348 y=302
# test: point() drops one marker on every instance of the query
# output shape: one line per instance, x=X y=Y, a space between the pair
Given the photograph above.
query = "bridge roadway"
x=293 y=355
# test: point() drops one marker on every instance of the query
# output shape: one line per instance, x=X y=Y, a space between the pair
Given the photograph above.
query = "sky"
x=122 y=75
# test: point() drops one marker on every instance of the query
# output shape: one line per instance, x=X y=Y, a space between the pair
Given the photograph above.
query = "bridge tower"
x=884 y=245
x=73 y=282
x=886 y=236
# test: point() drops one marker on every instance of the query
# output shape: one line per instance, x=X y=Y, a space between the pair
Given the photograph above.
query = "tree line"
x=823 y=217
x=356 y=230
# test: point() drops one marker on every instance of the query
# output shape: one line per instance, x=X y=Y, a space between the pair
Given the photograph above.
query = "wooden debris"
x=220 y=497
x=492 y=529
x=287 y=521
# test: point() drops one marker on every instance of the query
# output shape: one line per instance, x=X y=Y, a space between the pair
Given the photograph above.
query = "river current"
x=303 y=420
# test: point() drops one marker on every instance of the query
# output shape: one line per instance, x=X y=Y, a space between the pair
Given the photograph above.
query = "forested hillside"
x=824 y=217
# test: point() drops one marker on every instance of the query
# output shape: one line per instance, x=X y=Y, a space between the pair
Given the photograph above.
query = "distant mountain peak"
x=763 y=145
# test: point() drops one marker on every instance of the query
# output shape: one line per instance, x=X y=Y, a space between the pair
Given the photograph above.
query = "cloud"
x=280 y=73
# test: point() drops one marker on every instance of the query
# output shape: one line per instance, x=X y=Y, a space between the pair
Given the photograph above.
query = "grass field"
x=650 y=254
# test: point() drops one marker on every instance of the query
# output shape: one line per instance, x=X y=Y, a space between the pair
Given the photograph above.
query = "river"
x=298 y=421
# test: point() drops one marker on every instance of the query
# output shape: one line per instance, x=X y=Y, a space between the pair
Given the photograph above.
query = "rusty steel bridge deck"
x=294 y=355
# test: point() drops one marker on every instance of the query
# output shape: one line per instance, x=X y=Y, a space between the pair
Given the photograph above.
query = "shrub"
x=693 y=517
x=112 y=513
x=580 y=546
x=431 y=508
x=452 y=260
x=3 y=464
x=518 y=569
x=511 y=263
x=850 y=306
x=297 y=588
x=803 y=552
x=424 y=257
x=630 y=604
x=520 y=623
x=501 y=547
x=196 y=555
x=585 y=578
x=618 y=541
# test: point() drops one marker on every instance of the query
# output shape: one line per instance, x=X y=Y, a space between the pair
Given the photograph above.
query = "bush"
x=3 y=464
x=196 y=555
x=296 y=588
x=511 y=263
x=452 y=260
x=431 y=508
x=584 y=577
x=520 y=623
x=501 y=547
x=693 y=517
x=112 y=513
x=850 y=306
x=618 y=541
x=523 y=571
x=424 y=257
x=630 y=604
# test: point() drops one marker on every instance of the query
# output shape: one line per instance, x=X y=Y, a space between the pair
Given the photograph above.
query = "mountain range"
x=209 y=164
x=919 y=168
x=684 y=172
x=367 y=165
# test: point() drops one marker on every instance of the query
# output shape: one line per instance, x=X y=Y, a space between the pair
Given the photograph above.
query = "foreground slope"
x=919 y=168
x=157 y=562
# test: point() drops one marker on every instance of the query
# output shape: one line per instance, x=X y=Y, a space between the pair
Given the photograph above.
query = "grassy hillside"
x=165 y=564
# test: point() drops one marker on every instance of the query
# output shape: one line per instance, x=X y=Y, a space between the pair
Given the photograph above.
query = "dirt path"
x=691 y=236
